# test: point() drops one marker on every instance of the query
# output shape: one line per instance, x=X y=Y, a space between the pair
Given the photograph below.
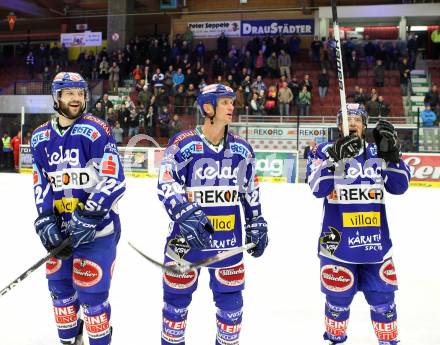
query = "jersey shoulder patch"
x=96 y=122
x=240 y=146
x=40 y=134
x=180 y=138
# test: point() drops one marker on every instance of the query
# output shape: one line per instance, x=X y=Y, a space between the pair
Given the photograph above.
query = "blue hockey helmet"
x=68 y=80
x=353 y=109
x=211 y=93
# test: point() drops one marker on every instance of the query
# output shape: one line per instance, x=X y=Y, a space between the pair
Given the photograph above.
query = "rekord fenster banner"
x=231 y=28
x=277 y=27
x=276 y=166
x=82 y=39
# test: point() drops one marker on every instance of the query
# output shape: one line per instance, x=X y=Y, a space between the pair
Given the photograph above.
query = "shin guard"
x=384 y=320
x=67 y=314
x=228 y=326
x=97 y=322
x=336 y=322
x=173 y=324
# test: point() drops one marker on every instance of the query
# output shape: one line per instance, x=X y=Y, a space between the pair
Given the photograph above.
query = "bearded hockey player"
x=355 y=244
x=78 y=180
x=207 y=175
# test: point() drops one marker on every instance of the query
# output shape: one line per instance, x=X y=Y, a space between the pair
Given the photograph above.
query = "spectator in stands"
x=103 y=68
x=161 y=100
x=294 y=45
x=240 y=101
x=353 y=64
x=372 y=108
x=98 y=110
x=30 y=64
x=118 y=133
x=370 y=52
x=55 y=54
x=405 y=77
x=111 y=117
x=270 y=104
x=190 y=78
x=164 y=119
x=133 y=123
x=435 y=38
x=106 y=103
x=384 y=108
x=284 y=63
x=148 y=123
x=168 y=78
x=260 y=64
x=272 y=65
x=307 y=83
x=157 y=80
x=247 y=87
x=217 y=66
x=190 y=98
x=15 y=145
x=222 y=45
x=294 y=86
x=256 y=104
x=137 y=73
x=323 y=84
x=285 y=97
x=316 y=47
x=178 y=78
x=202 y=84
x=412 y=47
x=113 y=78
x=175 y=126
x=432 y=98
x=379 y=74
x=248 y=62
x=64 y=59
x=201 y=74
x=188 y=36
x=394 y=56
x=259 y=84
x=200 y=52
x=179 y=100
x=428 y=117
x=304 y=101
x=123 y=117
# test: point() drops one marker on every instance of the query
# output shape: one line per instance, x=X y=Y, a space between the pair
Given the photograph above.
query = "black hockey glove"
x=387 y=142
x=345 y=148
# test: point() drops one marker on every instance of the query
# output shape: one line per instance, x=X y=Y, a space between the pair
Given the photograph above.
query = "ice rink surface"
x=283 y=303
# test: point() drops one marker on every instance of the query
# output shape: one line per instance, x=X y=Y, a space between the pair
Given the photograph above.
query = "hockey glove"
x=387 y=142
x=256 y=232
x=82 y=226
x=193 y=224
x=48 y=229
x=345 y=148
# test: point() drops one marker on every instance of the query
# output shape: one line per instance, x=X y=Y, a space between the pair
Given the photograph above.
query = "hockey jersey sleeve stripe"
x=317 y=182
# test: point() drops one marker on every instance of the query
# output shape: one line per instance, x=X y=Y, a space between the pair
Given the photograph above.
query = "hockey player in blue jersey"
x=355 y=245
x=78 y=180
x=206 y=177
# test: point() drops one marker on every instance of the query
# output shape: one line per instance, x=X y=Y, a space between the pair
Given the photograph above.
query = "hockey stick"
x=31 y=269
x=340 y=69
x=186 y=267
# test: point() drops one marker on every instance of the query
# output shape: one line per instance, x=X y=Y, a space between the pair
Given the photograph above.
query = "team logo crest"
x=179 y=246
x=330 y=240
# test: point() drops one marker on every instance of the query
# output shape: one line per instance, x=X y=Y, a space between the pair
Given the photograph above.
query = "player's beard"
x=66 y=110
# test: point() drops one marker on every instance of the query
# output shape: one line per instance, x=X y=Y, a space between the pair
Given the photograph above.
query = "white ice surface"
x=283 y=303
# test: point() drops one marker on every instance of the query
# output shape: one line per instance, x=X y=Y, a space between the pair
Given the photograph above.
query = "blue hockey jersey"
x=354 y=225
x=78 y=165
x=221 y=179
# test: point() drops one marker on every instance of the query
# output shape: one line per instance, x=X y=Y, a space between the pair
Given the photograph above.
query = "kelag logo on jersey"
x=40 y=137
x=213 y=196
x=70 y=156
x=240 y=149
x=194 y=147
x=86 y=131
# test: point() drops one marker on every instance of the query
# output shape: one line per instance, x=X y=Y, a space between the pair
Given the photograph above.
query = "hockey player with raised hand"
x=78 y=180
x=206 y=177
x=355 y=245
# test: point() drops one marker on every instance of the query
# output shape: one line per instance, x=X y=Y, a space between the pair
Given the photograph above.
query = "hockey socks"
x=228 y=326
x=97 y=322
x=66 y=312
x=336 y=322
x=173 y=324
x=384 y=320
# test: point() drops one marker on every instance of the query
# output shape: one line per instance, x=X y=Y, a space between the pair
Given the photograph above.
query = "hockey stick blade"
x=34 y=267
x=184 y=268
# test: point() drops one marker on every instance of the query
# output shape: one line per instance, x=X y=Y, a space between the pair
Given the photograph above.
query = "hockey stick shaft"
x=198 y=264
x=340 y=69
x=34 y=267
